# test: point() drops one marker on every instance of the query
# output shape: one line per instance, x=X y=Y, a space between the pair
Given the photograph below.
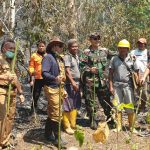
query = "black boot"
x=93 y=123
x=55 y=130
x=48 y=130
x=111 y=123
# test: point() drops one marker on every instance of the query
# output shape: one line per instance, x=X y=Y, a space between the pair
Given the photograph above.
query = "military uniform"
x=96 y=84
x=6 y=119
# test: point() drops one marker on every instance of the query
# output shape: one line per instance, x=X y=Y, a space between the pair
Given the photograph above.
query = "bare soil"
x=28 y=135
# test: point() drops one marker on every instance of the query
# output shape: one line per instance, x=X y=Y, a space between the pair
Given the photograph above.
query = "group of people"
x=68 y=77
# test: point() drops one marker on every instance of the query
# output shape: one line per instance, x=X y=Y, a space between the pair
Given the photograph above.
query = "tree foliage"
x=114 y=19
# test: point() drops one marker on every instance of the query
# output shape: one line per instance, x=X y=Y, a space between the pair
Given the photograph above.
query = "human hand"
x=22 y=98
x=112 y=91
x=11 y=77
x=32 y=83
x=59 y=79
x=94 y=70
x=142 y=81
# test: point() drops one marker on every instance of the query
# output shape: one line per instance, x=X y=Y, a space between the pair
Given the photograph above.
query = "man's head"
x=94 y=39
x=41 y=46
x=8 y=48
x=142 y=43
x=73 y=46
x=123 y=47
x=55 y=45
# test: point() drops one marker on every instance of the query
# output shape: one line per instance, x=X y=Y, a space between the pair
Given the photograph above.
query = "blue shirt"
x=50 y=70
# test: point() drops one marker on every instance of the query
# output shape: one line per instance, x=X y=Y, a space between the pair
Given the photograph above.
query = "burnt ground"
x=29 y=135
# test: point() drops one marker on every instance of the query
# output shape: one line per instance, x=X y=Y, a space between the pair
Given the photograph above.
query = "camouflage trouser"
x=6 y=120
x=103 y=96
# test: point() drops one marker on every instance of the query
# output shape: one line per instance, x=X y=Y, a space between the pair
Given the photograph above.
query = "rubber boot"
x=48 y=130
x=131 y=120
x=119 y=122
x=55 y=126
x=66 y=122
x=73 y=118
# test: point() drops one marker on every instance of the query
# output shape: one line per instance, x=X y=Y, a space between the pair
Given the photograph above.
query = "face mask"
x=10 y=54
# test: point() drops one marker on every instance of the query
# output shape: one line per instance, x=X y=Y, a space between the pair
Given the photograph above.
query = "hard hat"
x=142 y=40
x=124 y=43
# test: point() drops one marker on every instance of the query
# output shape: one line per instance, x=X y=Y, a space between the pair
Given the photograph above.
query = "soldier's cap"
x=94 y=35
x=142 y=40
x=53 y=42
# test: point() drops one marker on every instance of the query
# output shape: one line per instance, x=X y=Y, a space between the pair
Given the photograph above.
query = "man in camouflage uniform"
x=6 y=78
x=95 y=80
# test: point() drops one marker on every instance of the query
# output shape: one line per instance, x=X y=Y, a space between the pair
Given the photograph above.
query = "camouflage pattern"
x=96 y=85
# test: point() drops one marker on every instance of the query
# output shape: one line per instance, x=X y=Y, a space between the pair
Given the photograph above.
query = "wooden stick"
x=12 y=71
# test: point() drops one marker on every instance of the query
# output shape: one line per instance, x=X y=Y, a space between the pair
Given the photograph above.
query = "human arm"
x=32 y=69
x=146 y=73
x=111 y=89
x=69 y=76
x=46 y=66
x=67 y=61
x=110 y=76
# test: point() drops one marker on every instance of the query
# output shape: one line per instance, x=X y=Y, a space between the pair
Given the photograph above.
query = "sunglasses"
x=60 y=46
x=95 y=38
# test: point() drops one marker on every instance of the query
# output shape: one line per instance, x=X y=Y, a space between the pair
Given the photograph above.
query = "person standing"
x=146 y=73
x=35 y=70
x=72 y=102
x=96 y=80
x=6 y=78
x=121 y=84
x=53 y=73
x=141 y=54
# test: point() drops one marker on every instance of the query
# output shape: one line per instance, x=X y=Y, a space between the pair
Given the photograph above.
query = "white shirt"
x=142 y=57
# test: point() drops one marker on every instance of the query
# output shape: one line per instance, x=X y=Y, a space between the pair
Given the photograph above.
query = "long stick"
x=59 y=127
x=36 y=120
x=93 y=100
x=13 y=71
x=139 y=102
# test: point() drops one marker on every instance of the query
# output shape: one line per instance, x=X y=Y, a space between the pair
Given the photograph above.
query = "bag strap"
x=125 y=64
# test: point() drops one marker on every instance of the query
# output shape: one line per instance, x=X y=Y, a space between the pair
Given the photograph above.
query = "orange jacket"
x=35 y=66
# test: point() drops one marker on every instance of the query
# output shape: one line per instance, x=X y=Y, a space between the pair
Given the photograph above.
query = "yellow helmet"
x=124 y=43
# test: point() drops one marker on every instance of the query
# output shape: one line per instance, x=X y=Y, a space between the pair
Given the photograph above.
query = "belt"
x=6 y=87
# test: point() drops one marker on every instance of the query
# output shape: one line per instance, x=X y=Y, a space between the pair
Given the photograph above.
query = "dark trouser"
x=103 y=98
x=51 y=129
x=74 y=99
x=51 y=132
x=38 y=85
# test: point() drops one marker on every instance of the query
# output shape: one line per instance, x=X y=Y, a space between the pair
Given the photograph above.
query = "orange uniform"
x=35 y=67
